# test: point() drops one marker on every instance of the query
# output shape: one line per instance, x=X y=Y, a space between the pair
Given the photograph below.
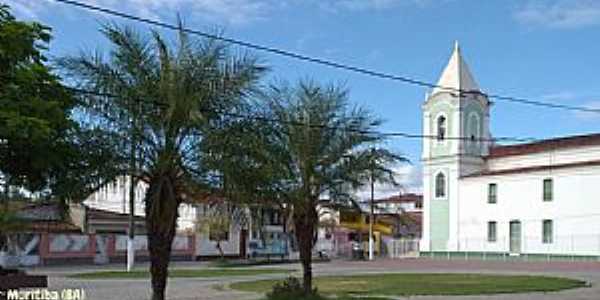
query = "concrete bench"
x=14 y=279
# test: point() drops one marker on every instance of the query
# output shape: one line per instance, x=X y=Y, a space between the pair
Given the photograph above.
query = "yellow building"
x=359 y=223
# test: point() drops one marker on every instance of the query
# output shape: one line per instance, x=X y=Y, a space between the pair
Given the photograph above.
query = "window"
x=547 y=231
x=441 y=128
x=491 y=233
x=548 y=187
x=474 y=128
x=440 y=185
x=492 y=193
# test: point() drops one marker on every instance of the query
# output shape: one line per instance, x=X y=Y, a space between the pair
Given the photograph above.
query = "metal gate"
x=403 y=248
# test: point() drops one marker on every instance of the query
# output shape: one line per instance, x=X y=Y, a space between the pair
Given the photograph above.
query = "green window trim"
x=492 y=193
x=492 y=231
x=547 y=231
x=548 y=189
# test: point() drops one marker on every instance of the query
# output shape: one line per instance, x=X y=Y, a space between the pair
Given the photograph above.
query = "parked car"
x=275 y=248
x=357 y=251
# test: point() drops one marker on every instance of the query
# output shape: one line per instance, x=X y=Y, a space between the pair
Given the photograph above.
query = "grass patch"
x=425 y=284
x=179 y=273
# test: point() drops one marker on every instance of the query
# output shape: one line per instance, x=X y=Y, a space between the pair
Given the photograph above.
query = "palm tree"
x=163 y=99
x=307 y=144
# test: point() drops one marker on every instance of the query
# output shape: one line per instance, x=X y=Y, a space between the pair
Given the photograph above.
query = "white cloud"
x=589 y=116
x=359 y=5
x=364 y=4
x=307 y=38
x=560 y=13
x=570 y=98
x=230 y=12
x=223 y=12
x=559 y=96
x=373 y=56
x=26 y=9
x=409 y=177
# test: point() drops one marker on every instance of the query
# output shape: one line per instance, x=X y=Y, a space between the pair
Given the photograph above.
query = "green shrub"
x=291 y=289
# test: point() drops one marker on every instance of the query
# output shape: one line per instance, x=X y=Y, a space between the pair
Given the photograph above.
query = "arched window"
x=440 y=185
x=475 y=135
x=441 y=128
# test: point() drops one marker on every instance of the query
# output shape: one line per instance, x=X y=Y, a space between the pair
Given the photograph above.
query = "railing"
x=403 y=248
x=534 y=248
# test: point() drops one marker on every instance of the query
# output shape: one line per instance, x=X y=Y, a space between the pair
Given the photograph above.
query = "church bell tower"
x=456 y=123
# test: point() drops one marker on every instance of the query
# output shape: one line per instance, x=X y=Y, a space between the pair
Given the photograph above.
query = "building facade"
x=262 y=227
x=114 y=197
x=408 y=211
x=530 y=198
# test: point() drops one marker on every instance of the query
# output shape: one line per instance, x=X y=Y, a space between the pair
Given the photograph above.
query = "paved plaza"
x=217 y=288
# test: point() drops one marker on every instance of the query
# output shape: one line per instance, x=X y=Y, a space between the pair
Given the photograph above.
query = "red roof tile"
x=535 y=168
x=52 y=227
x=545 y=145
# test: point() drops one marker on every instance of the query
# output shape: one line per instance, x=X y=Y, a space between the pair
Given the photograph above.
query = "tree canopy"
x=42 y=148
x=160 y=100
x=34 y=119
x=305 y=148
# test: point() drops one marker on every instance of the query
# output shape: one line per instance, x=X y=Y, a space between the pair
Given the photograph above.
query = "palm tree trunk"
x=159 y=245
x=161 y=220
x=305 y=227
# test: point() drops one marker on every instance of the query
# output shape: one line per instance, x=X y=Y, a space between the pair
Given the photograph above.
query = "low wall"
x=53 y=249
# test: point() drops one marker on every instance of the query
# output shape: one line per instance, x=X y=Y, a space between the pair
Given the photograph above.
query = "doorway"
x=243 y=246
x=515 y=237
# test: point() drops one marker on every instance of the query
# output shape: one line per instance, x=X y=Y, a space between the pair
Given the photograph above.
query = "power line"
x=295 y=123
x=325 y=62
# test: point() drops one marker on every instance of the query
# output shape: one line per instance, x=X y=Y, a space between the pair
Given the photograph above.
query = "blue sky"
x=544 y=50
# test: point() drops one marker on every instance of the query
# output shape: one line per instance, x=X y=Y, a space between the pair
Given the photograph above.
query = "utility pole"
x=371 y=214
x=131 y=237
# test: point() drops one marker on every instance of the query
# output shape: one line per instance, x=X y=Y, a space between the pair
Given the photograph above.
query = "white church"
x=533 y=198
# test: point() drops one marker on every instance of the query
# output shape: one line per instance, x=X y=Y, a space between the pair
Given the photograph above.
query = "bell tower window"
x=441 y=128
x=474 y=130
x=440 y=185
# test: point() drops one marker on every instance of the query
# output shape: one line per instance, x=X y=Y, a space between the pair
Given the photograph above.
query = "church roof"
x=547 y=167
x=545 y=145
x=456 y=75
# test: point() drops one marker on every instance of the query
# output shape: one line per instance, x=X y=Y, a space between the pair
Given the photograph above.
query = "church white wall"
x=575 y=211
x=561 y=156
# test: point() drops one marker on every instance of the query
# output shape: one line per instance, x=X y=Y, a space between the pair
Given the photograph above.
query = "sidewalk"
x=215 y=288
